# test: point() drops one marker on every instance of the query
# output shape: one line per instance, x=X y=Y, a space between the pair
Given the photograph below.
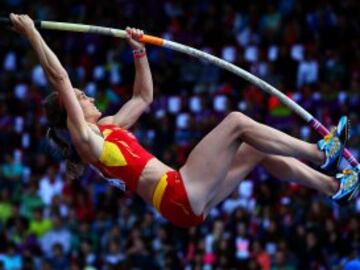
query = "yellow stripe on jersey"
x=111 y=155
x=106 y=132
x=159 y=192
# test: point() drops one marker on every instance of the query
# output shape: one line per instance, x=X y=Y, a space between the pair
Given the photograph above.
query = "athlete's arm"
x=143 y=85
x=55 y=72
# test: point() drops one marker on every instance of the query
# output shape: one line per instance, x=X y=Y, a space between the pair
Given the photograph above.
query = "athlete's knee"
x=235 y=118
x=239 y=121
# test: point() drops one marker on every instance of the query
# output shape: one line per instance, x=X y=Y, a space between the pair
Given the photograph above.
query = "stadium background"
x=307 y=49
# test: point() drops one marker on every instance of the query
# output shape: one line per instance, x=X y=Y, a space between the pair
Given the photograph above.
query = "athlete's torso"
x=122 y=157
x=90 y=153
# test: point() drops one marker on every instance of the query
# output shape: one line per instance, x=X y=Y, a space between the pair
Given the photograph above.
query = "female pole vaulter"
x=214 y=167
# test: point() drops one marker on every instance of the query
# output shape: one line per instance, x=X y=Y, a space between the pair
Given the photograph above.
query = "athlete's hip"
x=150 y=177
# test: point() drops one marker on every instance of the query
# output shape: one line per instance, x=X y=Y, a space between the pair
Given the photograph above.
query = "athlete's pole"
x=153 y=40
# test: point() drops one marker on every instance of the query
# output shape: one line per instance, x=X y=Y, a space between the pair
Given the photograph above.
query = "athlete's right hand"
x=22 y=24
x=133 y=35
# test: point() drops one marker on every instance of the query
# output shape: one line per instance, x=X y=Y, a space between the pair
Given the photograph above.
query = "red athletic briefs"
x=171 y=200
x=122 y=156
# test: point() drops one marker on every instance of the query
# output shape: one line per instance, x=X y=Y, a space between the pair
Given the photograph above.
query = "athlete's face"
x=91 y=113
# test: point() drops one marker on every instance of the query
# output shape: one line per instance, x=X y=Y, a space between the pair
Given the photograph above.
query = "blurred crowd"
x=308 y=49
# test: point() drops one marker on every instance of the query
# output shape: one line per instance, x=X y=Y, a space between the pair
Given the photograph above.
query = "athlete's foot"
x=349 y=186
x=334 y=143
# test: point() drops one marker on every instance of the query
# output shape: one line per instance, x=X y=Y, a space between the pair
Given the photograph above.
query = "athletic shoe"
x=334 y=143
x=349 y=185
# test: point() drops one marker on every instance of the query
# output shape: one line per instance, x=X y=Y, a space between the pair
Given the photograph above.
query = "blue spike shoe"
x=334 y=144
x=349 y=186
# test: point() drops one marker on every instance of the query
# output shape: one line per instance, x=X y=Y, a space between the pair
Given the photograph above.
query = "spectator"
x=259 y=255
x=83 y=207
x=161 y=247
x=58 y=259
x=87 y=255
x=83 y=233
x=242 y=246
x=11 y=171
x=232 y=203
x=281 y=262
x=127 y=219
x=58 y=234
x=50 y=184
x=11 y=259
x=5 y=205
x=137 y=251
x=114 y=256
x=308 y=71
x=30 y=200
x=112 y=235
x=39 y=224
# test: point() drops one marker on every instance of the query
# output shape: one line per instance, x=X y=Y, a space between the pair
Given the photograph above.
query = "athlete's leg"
x=293 y=170
x=209 y=162
x=272 y=141
x=246 y=159
x=283 y=168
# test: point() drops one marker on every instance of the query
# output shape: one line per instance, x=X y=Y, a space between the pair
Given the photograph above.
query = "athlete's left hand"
x=22 y=24
x=133 y=35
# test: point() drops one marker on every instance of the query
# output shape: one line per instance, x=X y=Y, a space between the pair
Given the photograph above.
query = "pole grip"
x=152 y=40
x=6 y=22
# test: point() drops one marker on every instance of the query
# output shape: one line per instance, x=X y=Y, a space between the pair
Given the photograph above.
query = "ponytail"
x=57 y=132
x=73 y=164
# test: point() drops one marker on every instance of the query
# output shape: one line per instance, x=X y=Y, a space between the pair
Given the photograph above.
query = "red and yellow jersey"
x=122 y=157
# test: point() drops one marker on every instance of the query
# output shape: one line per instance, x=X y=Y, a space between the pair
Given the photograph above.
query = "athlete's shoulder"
x=107 y=122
